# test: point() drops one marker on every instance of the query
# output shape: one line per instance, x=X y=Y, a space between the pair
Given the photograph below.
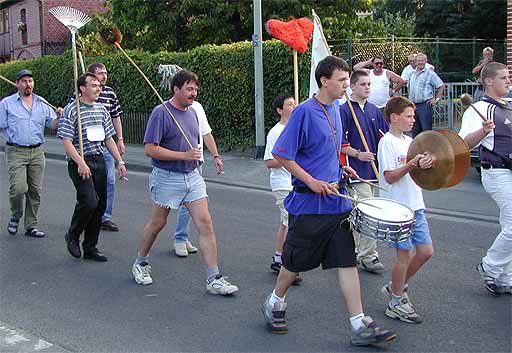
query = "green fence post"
x=438 y=67
x=473 y=47
x=350 y=53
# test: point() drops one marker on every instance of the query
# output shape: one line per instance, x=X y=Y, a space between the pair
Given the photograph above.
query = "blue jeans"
x=111 y=184
x=183 y=221
x=423 y=118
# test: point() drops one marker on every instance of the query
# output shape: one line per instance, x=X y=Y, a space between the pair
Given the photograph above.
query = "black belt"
x=92 y=157
x=307 y=190
x=496 y=165
x=20 y=146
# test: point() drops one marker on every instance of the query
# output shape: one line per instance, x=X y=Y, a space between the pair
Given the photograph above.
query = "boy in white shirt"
x=280 y=178
x=395 y=178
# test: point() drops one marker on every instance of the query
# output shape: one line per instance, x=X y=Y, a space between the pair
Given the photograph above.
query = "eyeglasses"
x=378 y=64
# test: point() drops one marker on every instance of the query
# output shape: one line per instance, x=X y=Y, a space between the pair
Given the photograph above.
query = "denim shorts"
x=171 y=189
x=420 y=235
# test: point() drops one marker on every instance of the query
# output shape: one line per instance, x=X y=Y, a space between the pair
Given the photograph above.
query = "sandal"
x=12 y=227
x=34 y=232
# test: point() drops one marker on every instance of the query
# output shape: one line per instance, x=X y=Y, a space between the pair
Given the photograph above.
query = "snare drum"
x=393 y=221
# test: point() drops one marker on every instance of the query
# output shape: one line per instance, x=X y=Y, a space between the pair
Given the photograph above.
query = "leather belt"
x=307 y=190
x=495 y=165
x=20 y=146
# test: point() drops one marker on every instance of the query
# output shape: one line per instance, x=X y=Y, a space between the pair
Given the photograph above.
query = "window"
x=22 y=26
x=4 y=21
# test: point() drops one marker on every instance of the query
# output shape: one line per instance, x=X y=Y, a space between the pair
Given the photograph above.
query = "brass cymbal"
x=451 y=159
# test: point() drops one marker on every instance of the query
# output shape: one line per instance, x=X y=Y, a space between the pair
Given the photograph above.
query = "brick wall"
x=33 y=47
x=55 y=34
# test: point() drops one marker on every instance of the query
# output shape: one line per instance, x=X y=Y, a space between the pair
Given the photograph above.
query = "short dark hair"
x=82 y=80
x=93 y=67
x=327 y=66
x=377 y=57
x=356 y=75
x=279 y=101
x=182 y=77
x=397 y=105
x=490 y=70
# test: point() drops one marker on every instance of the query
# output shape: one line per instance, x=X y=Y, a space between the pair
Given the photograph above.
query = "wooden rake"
x=73 y=20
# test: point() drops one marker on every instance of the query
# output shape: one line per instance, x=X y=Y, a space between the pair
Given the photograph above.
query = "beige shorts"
x=280 y=195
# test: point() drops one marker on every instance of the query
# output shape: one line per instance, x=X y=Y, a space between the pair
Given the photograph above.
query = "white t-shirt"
x=204 y=127
x=392 y=154
x=280 y=178
x=408 y=70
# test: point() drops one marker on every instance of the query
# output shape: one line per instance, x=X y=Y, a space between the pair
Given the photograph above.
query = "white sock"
x=357 y=322
x=274 y=298
x=277 y=257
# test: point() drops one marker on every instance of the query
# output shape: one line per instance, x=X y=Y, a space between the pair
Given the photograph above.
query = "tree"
x=178 y=25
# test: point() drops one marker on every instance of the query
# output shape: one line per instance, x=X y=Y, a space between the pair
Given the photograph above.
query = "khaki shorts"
x=280 y=195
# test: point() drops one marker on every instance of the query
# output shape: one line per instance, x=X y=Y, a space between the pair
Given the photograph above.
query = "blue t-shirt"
x=162 y=130
x=307 y=139
x=373 y=126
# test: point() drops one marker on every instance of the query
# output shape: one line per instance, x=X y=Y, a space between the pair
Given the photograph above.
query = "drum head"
x=390 y=210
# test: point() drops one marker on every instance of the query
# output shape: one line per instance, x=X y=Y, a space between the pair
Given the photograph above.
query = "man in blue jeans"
x=182 y=244
x=108 y=99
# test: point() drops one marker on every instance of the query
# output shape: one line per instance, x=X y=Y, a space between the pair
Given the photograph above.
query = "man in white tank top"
x=380 y=79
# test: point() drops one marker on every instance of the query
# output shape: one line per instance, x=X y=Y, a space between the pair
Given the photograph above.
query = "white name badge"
x=95 y=133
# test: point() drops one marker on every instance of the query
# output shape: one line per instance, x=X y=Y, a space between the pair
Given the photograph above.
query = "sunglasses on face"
x=378 y=64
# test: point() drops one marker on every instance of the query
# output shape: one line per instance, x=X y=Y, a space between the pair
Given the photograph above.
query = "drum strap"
x=331 y=125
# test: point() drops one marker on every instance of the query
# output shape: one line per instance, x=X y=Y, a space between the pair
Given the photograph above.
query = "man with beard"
x=87 y=172
x=23 y=117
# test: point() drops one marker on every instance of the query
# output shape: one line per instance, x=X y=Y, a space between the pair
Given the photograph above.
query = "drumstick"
x=369 y=183
x=466 y=99
x=337 y=193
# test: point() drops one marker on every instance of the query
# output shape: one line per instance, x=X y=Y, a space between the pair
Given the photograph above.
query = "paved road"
x=80 y=306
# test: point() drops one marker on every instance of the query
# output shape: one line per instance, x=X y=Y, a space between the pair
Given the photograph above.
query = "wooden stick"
x=369 y=183
x=480 y=114
x=363 y=139
x=296 y=76
x=81 y=59
x=355 y=200
x=42 y=99
x=118 y=46
x=77 y=99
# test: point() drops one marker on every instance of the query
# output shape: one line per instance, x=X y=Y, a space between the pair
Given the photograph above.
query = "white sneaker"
x=191 y=248
x=142 y=273
x=220 y=286
x=180 y=248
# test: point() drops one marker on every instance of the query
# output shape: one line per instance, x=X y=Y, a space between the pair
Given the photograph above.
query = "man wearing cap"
x=23 y=117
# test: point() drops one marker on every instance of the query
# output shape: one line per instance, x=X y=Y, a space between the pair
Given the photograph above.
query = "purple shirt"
x=373 y=126
x=161 y=130
x=308 y=140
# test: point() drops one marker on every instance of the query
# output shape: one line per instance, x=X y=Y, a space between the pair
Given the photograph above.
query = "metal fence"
x=454 y=58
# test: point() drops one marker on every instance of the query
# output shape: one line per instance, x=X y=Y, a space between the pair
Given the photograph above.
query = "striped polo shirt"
x=92 y=116
x=423 y=85
x=108 y=99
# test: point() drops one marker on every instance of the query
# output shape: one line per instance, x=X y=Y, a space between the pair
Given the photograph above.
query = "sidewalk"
x=239 y=169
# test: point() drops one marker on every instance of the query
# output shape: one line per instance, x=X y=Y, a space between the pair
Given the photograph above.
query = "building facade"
x=28 y=30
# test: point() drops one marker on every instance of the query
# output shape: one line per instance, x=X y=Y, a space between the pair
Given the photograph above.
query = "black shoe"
x=95 y=255
x=109 y=226
x=73 y=247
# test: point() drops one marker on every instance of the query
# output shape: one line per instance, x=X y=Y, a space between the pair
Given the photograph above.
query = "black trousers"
x=91 y=201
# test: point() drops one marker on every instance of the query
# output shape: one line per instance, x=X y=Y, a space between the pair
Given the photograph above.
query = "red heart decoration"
x=295 y=33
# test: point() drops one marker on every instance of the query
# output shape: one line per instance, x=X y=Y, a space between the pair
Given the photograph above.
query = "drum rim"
x=367 y=199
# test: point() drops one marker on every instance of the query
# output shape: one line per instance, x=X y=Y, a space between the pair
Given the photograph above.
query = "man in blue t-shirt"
x=318 y=231
x=374 y=127
x=175 y=180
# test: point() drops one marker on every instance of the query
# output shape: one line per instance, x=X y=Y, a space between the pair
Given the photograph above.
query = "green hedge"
x=226 y=76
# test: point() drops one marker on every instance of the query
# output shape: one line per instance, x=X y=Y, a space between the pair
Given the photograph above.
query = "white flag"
x=319 y=50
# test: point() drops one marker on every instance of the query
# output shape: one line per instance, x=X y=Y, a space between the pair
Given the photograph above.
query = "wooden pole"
x=296 y=76
x=77 y=98
x=5 y=79
x=361 y=134
x=118 y=46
